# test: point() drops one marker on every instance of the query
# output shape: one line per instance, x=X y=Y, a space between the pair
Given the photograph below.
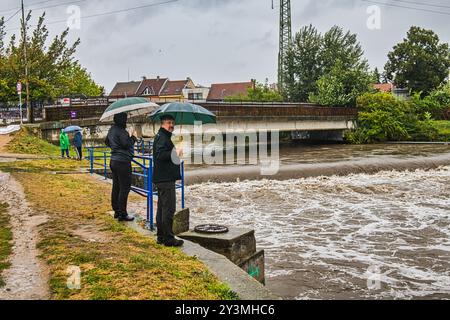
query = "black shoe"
x=126 y=218
x=160 y=241
x=174 y=243
x=116 y=215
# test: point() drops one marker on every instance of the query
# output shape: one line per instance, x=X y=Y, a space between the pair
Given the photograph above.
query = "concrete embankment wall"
x=297 y=171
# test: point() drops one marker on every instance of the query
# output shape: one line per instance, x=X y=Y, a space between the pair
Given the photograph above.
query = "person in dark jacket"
x=122 y=153
x=165 y=173
x=78 y=144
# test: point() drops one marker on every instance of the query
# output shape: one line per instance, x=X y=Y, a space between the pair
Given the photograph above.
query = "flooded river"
x=372 y=236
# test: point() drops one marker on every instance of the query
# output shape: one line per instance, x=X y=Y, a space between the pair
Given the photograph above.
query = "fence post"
x=104 y=164
x=182 y=185
x=91 y=159
x=150 y=194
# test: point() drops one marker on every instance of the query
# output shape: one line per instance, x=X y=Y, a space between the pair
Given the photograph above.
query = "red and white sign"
x=65 y=102
x=19 y=87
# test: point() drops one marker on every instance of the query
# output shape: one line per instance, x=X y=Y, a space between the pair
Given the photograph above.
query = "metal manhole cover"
x=211 y=228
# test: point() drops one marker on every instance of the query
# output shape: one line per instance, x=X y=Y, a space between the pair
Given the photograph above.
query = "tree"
x=303 y=64
x=341 y=86
x=420 y=62
x=312 y=60
x=376 y=75
x=53 y=70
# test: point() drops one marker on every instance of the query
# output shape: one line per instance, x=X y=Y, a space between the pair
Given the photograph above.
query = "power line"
x=20 y=8
x=406 y=7
x=112 y=12
x=12 y=16
x=424 y=4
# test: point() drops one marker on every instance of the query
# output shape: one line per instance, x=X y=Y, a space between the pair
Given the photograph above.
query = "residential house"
x=173 y=90
x=391 y=88
x=125 y=89
x=220 y=91
x=197 y=94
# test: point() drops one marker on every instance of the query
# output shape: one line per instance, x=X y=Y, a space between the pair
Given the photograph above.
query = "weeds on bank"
x=5 y=240
x=115 y=262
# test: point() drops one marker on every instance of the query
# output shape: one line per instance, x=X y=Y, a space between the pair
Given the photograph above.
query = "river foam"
x=381 y=235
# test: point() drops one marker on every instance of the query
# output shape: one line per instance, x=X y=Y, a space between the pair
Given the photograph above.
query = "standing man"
x=122 y=153
x=64 y=144
x=165 y=173
x=78 y=144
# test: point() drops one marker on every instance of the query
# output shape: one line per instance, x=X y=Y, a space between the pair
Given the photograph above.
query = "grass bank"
x=5 y=240
x=115 y=261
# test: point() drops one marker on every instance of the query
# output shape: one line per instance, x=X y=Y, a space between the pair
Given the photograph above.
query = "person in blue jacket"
x=78 y=144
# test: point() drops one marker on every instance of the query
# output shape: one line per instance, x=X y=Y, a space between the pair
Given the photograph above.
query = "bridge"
x=307 y=121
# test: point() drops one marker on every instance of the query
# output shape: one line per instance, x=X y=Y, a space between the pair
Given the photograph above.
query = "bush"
x=383 y=117
x=436 y=103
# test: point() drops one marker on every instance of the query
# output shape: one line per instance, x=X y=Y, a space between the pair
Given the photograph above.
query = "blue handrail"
x=143 y=161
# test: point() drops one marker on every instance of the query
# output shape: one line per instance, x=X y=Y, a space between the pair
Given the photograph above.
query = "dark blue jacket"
x=78 y=140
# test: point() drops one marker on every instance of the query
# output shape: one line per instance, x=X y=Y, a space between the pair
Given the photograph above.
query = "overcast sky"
x=218 y=40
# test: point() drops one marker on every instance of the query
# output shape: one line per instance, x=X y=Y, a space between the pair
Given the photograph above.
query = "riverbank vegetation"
x=5 y=240
x=115 y=261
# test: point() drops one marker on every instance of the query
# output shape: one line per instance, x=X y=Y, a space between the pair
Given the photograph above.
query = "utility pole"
x=285 y=40
x=25 y=54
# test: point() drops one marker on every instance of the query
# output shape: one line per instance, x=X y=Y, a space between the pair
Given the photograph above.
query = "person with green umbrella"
x=165 y=173
x=122 y=153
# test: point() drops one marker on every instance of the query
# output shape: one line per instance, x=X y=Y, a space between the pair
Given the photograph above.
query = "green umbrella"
x=132 y=106
x=184 y=113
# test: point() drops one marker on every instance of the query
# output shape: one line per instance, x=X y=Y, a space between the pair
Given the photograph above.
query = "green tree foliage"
x=341 y=86
x=260 y=93
x=383 y=117
x=420 y=62
x=313 y=59
x=436 y=103
x=53 y=70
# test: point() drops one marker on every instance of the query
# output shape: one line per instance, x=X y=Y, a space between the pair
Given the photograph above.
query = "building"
x=197 y=94
x=391 y=88
x=125 y=89
x=157 y=89
x=151 y=88
x=220 y=91
x=173 y=90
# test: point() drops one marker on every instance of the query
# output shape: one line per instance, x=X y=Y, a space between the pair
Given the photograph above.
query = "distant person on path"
x=64 y=144
x=122 y=152
x=165 y=173
x=78 y=144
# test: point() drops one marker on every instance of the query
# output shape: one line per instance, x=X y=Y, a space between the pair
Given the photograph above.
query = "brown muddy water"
x=380 y=235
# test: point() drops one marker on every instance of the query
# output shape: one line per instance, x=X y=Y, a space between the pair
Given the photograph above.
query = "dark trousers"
x=79 y=152
x=166 y=210
x=121 y=173
x=65 y=151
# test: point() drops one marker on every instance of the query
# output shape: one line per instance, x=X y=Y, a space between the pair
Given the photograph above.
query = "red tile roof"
x=154 y=86
x=174 y=88
x=384 y=87
x=219 y=91
x=122 y=89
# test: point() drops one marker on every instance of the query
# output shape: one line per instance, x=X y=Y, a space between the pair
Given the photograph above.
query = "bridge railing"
x=142 y=168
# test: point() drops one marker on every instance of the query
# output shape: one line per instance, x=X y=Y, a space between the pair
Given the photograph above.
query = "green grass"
x=5 y=240
x=126 y=265
x=444 y=129
x=24 y=142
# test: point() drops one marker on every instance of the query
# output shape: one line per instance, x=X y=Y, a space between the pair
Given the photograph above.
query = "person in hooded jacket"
x=122 y=153
x=64 y=144
x=78 y=144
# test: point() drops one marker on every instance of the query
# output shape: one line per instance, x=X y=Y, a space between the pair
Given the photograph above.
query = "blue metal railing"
x=143 y=161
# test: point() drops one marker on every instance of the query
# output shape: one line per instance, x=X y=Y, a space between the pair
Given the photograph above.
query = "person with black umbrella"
x=165 y=173
x=122 y=153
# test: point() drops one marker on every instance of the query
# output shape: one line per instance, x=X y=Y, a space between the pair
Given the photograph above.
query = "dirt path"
x=27 y=277
x=4 y=139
